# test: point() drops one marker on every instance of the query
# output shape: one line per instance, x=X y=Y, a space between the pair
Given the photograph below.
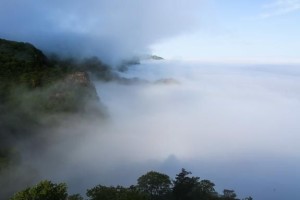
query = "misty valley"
x=81 y=129
x=52 y=107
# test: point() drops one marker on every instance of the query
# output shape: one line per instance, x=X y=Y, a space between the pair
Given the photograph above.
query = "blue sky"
x=235 y=30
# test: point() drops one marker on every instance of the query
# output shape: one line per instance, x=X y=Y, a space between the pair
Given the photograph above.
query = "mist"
x=110 y=29
x=234 y=124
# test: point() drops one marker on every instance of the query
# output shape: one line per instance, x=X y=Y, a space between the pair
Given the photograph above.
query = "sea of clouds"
x=236 y=125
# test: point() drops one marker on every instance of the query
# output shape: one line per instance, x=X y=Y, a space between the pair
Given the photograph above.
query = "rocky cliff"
x=53 y=87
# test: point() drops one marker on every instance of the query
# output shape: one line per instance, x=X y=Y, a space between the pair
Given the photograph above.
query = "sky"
x=209 y=30
x=110 y=29
x=245 y=31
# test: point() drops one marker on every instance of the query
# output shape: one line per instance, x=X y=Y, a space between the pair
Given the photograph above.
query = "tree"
x=184 y=185
x=45 y=190
x=102 y=193
x=207 y=186
x=204 y=190
x=114 y=193
x=156 y=185
x=229 y=195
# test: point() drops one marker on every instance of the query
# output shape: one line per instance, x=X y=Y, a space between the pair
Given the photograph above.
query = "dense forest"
x=151 y=186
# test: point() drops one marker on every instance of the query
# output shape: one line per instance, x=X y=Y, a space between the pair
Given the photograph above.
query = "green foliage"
x=21 y=63
x=229 y=194
x=48 y=85
x=204 y=190
x=152 y=185
x=114 y=193
x=184 y=185
x=45 y=190
x=155 y=185
x=188 y=187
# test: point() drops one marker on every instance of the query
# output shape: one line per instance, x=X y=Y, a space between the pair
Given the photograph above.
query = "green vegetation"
x=155 y=185
x=151 y=186
x=45 y=190
x=114 y=193
x=21 y=63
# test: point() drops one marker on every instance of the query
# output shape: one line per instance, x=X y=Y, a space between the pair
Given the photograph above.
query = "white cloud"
x=280 y=7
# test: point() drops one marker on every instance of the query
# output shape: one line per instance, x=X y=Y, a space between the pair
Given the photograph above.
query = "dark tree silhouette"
x=184 y=185
x=155 y=185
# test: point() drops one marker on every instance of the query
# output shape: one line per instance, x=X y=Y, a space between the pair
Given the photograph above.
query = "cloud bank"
x=110 y=29
x=234 y=124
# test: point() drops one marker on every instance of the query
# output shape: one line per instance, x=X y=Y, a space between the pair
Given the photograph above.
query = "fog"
x=236 y=125
x=110 y=29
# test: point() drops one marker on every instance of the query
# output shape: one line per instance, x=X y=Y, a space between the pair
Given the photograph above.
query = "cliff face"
x=75 y=92
x=53 y=88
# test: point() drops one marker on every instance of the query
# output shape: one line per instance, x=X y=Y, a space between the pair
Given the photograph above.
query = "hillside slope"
x=36 y=92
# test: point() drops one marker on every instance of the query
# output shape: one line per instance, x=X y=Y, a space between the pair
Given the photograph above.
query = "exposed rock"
x=78 y=78
x=74 y=93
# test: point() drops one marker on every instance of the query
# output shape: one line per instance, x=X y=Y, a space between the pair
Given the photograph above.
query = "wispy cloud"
x=280 y=7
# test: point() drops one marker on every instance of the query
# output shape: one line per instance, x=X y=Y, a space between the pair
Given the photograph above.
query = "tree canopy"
x=45 y=190
x=150 y=186
x=155 y=184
